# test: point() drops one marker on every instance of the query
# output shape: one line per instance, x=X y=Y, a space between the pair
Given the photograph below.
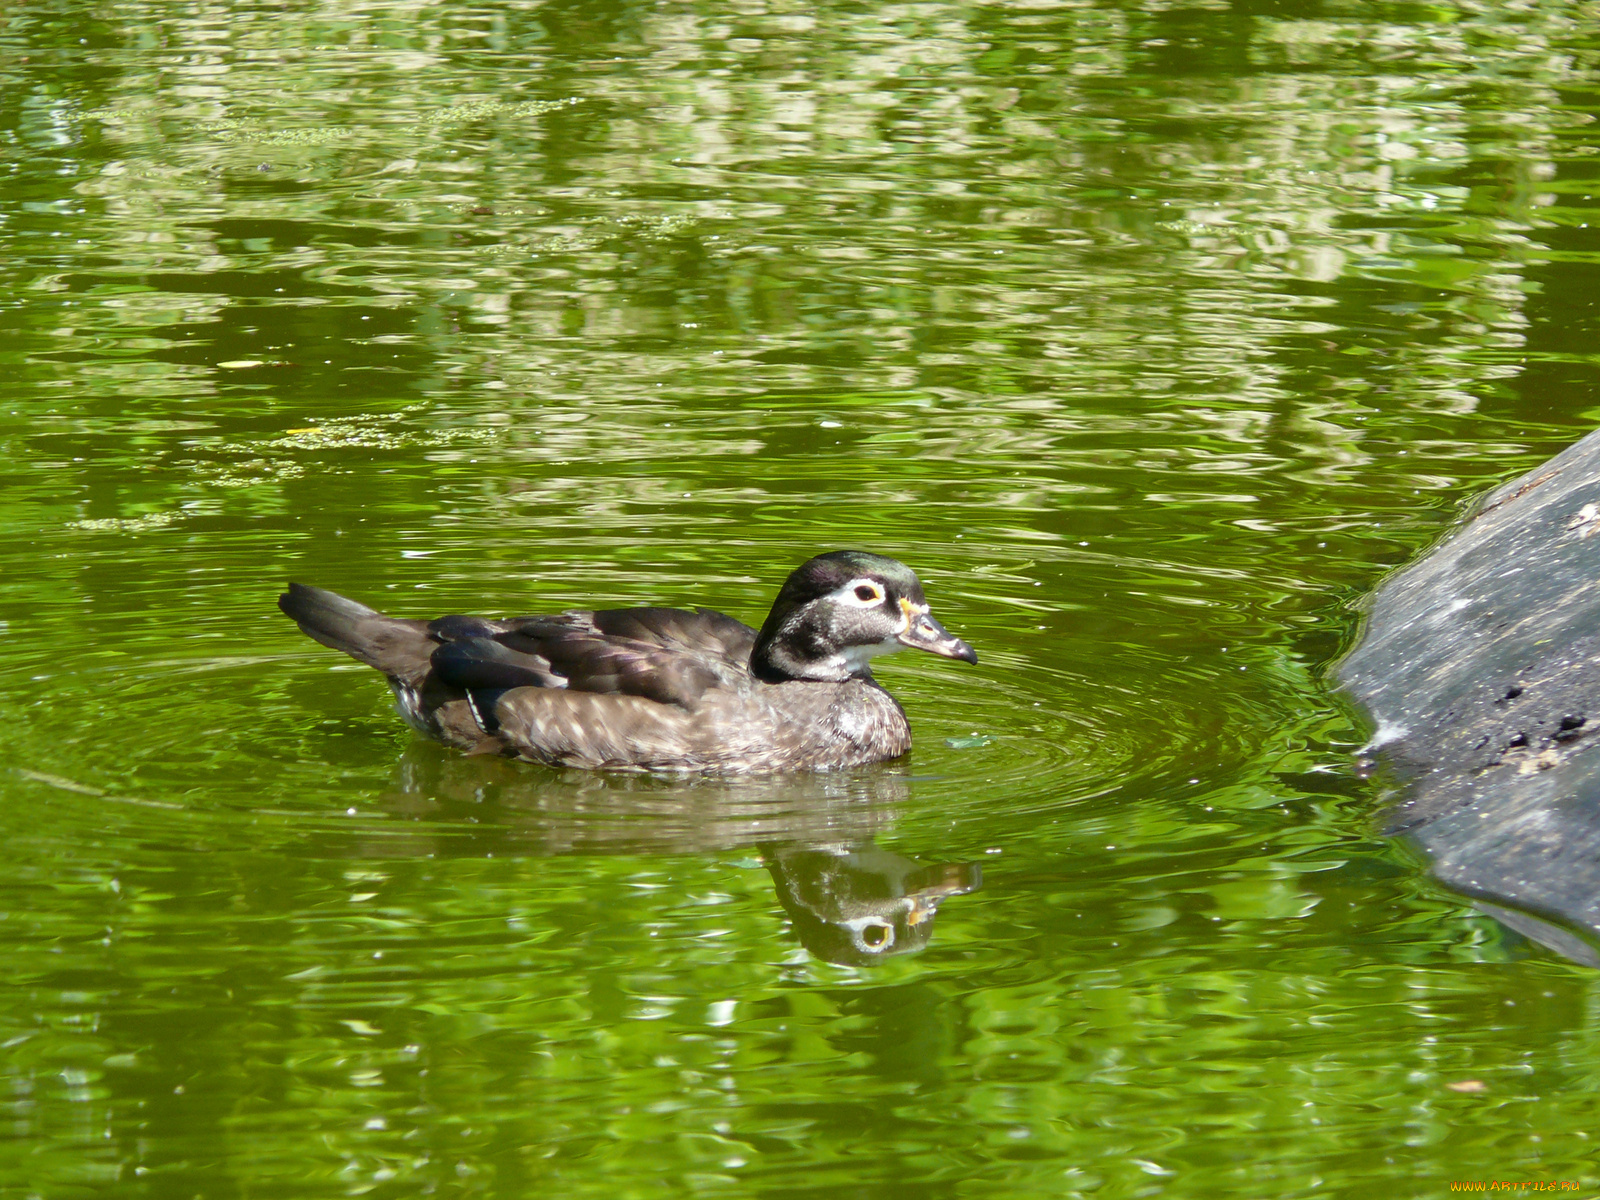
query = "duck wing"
x=635 y=688
x=663 y=655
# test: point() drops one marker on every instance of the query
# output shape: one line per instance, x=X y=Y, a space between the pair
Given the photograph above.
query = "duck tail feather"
x=397 y=647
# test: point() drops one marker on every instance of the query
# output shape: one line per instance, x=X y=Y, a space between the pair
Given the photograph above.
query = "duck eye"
x=875 y=936
x=866 y=593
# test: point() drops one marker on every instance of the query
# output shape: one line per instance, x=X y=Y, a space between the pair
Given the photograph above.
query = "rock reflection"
x=849 y=900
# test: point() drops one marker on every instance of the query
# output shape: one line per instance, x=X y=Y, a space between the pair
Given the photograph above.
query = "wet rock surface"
x=1480 y=667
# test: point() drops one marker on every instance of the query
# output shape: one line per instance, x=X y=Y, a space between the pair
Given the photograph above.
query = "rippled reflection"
x=848 y=900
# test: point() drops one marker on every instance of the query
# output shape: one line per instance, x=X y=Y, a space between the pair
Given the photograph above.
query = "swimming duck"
x=658 y=689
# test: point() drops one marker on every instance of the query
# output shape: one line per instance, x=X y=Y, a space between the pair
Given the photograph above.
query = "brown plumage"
x=658 y=689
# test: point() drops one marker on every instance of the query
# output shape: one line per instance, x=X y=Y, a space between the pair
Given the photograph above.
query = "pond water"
x=1150 y=335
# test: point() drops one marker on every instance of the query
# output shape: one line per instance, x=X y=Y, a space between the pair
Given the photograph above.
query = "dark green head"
x=840 y=610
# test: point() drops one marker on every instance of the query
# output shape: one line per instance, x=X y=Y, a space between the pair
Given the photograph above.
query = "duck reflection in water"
x=849 y=900
x=858 y=904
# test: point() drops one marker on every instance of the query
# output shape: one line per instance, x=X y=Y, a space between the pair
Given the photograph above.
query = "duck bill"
x=922 y=632
x=948 y=879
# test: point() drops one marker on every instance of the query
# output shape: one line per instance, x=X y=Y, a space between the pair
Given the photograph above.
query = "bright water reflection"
x=1149 y=336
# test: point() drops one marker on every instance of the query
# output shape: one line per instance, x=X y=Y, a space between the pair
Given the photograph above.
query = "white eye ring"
x=875 y=935
x=861 y=593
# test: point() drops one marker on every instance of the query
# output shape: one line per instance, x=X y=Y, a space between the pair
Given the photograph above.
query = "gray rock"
x=1480 y=667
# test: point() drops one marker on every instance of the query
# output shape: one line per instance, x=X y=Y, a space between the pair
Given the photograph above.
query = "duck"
x=659 y=690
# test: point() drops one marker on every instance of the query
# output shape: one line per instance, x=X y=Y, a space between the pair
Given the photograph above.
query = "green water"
x=1150 y=335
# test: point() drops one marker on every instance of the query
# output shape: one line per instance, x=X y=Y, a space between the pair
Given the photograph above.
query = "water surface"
x=1150 y=336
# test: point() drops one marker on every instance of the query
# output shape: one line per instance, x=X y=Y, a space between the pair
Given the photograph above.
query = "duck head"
x=838 y=611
